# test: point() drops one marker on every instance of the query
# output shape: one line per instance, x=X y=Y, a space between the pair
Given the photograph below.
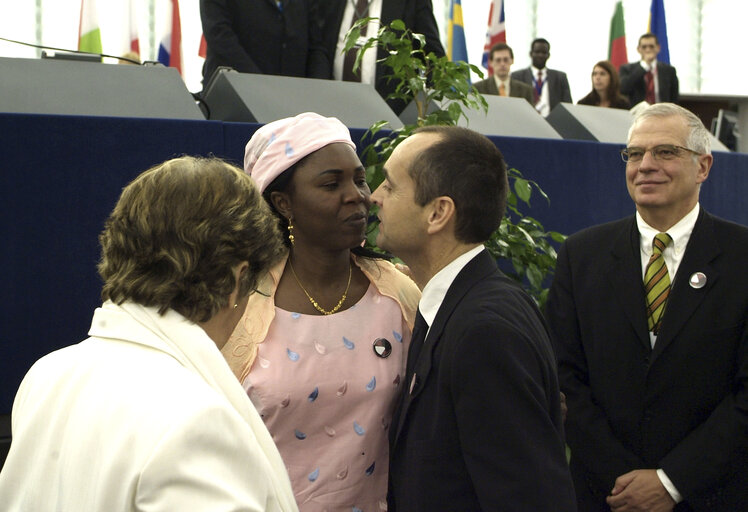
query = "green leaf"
x=523 y=189
x=397 y=25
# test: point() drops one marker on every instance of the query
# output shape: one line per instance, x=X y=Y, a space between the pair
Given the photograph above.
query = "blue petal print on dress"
x=370 y=469
x=289 y=150
x=372 y=384
x=313 y=475
x=398 y=336
x=348 y=343
x=313 y=395
x=356 y=509
x=359 y=429
x=293 y=356
x=295 y=316
x=299 y=434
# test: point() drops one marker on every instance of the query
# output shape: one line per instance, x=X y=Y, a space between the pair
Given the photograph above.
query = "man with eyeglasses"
x=649 y=79
x=648 y=318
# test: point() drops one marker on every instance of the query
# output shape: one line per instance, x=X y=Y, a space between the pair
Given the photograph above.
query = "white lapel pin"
x=698 y=280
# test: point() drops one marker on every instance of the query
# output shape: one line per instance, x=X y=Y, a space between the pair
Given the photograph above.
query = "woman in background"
x=136 y=417
x=606 y=88
x=321 y=347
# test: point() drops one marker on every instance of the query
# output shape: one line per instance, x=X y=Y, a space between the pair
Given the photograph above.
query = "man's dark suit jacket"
x=418 y=16
x=254 y=36
x=633 y=85
x=481 y=429
x=517 y=89
x=682 y=406
x=558 y=84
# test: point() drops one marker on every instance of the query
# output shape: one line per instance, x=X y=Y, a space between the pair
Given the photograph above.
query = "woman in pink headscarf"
x=321 y=347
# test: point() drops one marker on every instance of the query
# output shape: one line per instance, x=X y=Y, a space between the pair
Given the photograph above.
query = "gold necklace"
x=314 y=302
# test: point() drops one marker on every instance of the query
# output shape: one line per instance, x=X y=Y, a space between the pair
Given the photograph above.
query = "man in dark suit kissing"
x=648 y=318
x=478 y=425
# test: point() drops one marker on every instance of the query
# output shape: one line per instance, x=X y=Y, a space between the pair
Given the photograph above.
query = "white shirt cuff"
x=669 y=487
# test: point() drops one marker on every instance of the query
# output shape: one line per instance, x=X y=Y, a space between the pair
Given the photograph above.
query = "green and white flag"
x=89 y=34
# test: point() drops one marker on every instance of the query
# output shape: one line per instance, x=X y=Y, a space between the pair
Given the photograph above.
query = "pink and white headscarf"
x=278 y=145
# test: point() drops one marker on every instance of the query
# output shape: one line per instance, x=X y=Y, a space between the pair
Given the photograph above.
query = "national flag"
x=170 y=45
x=496 y=32
x=133 y=32
x=456 y=47
x=617 y=44
x=658 y=27
x=89 y=34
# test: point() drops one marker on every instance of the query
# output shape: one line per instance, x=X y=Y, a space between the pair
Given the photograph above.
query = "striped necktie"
x=657 y=282
x=360 y=10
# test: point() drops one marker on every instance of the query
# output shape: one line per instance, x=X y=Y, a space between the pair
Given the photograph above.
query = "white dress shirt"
x=506 y=83
x=653 y=68
x=437 y=287
x=543 y=106
x=368 y=69
x=673 y=254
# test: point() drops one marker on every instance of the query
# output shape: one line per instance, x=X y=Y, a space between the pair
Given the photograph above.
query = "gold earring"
x=290 y=232
x=236 y=306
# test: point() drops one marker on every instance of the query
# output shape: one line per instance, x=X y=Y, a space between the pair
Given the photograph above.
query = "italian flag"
x=89 y=34
x=617 y=46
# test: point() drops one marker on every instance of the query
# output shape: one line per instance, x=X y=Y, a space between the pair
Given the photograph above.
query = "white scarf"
x=189 y=344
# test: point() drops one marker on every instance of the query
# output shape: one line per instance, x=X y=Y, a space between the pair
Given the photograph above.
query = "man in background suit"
x=656 y=375
x=263 y=36
x=649 y=80
x=551 y=86
x=338 y=16
x=478 y=425
x=501 y=84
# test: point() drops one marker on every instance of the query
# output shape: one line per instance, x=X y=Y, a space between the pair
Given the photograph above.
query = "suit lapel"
x=684 y=299
x=624 y=268
x=337 y=12
x=514 y=89
x=663 y=77
x=551 y=79
x=478 y=269
x=492 y=89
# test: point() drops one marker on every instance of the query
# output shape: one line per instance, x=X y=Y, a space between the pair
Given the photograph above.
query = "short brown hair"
x=499 y=47
x=467 y=167
x=177 y=232
x=648 y=35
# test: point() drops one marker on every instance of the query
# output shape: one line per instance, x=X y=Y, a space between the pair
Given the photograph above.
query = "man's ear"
x=282 y=203
x=705 y=165
x=442 y=213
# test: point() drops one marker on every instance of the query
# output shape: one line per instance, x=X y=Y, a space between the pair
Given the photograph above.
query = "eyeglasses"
x=661 y=152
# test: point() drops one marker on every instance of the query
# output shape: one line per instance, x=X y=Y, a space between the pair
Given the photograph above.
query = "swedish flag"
x=456 y=47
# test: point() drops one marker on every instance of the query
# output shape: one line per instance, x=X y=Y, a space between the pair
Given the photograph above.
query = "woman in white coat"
x=145 y=415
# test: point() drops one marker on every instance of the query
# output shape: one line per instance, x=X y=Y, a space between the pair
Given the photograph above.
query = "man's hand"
x=640 y=490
